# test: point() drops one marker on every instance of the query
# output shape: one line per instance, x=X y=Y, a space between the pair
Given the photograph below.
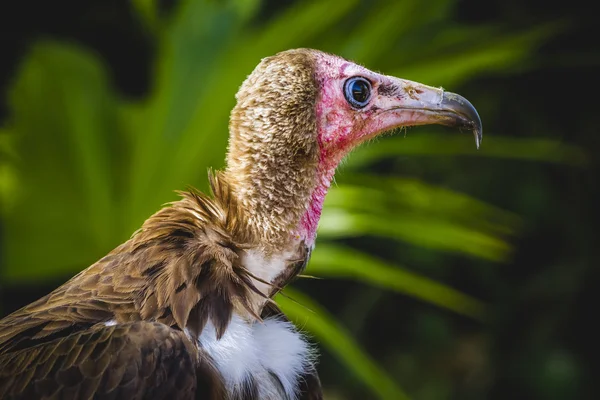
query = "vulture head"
x=298 y=114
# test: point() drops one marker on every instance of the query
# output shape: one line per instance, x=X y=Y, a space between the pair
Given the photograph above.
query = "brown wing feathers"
x=131 y=361
x=180 y=269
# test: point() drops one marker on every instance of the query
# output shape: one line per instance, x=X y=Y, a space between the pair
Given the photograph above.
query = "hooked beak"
x=417 y=104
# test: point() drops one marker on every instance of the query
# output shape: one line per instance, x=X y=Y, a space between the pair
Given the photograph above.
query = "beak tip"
x=478 y=136
x=465 y=114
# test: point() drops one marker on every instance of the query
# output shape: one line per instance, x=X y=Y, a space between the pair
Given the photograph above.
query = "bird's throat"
x=290 y=219
x=308 y=224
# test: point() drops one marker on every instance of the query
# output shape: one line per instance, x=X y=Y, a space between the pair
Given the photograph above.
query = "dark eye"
x=357 y=91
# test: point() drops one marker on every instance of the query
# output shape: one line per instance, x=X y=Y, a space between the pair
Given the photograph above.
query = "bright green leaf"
x=342 y=262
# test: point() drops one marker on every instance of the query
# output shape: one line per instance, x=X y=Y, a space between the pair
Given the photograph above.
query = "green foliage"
x=87 y=165
x=8 y=179
x=418 y=213
x=344 y=262
x=496 y=146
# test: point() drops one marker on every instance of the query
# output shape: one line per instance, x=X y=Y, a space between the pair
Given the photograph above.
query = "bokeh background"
x=447 y=272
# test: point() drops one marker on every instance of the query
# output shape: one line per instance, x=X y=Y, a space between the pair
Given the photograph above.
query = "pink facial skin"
x=394 y=103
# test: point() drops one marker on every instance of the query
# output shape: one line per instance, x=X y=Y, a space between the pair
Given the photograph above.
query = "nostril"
x=411 y=92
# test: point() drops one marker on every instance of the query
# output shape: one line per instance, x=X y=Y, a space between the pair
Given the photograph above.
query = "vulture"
x=184 y=309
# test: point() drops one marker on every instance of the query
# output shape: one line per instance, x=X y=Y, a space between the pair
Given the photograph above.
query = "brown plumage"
x=183 y=309
x=179 y=270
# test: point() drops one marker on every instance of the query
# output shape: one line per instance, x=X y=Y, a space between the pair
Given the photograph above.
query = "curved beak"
x=413 y=103
x=461 y=113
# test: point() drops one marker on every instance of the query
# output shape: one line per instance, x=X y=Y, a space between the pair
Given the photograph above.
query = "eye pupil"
x=358 y=91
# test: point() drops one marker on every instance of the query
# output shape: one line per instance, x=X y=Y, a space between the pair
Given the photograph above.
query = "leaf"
x=167 y=154
x=402 y=196
x=418 y=230
x=299 y=24
x=64 y=122
x=494 y=146
x=8 y=172
x=339 y=343
x=339 y=261
x=147 y=11
x=490 y=53
x=384 y=23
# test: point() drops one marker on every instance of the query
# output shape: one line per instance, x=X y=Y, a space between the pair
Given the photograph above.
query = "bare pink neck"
x=307 y=229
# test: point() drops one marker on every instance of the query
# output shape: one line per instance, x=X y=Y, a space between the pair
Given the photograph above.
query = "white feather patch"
x=283 y=351
x=254 y=351
x=266 y=269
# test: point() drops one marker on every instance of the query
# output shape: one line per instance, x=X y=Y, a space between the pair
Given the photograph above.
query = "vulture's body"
x=183 y=309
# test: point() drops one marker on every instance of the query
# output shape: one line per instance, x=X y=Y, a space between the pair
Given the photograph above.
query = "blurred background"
x=447 y=272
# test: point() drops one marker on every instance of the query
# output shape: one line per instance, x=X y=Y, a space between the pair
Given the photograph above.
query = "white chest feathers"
x=252 y=353
x=266 y=268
